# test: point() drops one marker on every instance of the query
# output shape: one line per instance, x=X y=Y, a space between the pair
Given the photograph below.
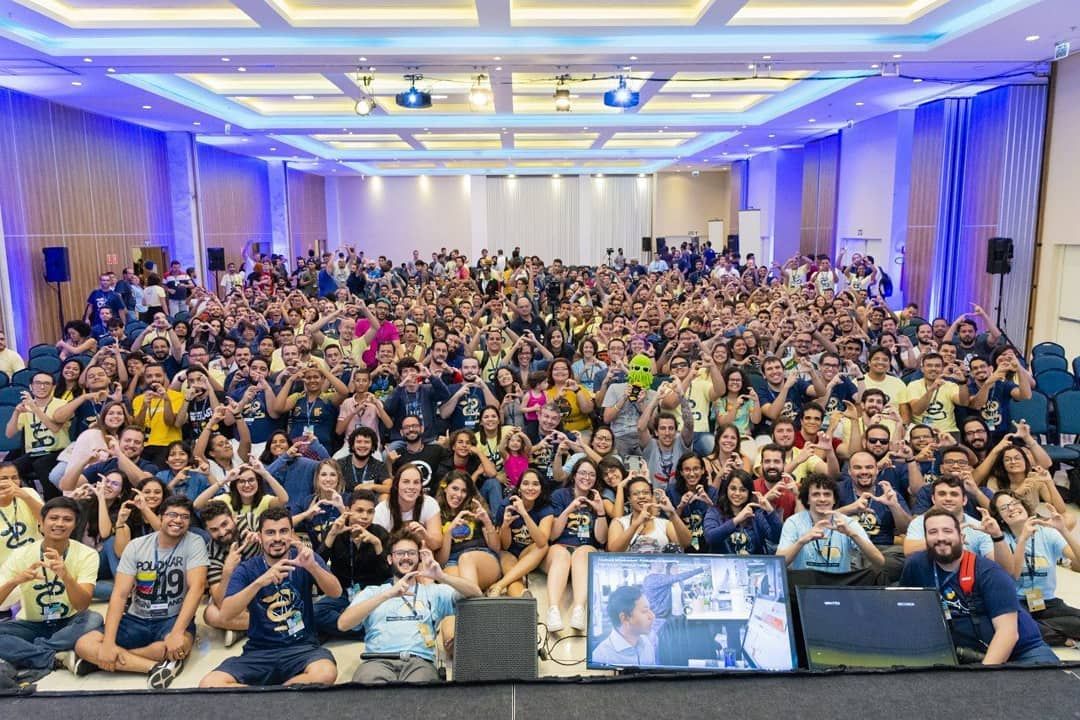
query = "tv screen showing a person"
x=700 y=612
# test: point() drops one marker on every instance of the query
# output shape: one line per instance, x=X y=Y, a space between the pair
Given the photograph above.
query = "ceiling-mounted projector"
x=413 y=98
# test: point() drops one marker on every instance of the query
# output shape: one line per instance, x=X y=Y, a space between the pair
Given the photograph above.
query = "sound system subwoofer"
x=495 y=639
x=215 y=259
x=999 y=254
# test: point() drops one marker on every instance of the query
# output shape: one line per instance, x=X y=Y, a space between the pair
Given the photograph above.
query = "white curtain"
x=618 y=211
x=537 y=214
x=572 y=218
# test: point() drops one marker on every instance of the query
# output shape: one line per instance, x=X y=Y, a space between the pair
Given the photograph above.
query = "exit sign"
x=1061 y=50
x=112 y=259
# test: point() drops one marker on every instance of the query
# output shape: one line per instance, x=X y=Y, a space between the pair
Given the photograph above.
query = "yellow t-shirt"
x=941 y=412
x=18 y=526
x=247 y=517
x=700 y=387
x=893 y=387
x=487 y=369
x=573 y=418
x=37 y=437
x=49 y=599
x=277 y=364
x=157 y=432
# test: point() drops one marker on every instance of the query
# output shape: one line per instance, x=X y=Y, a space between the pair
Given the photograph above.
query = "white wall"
x=761 y=193
x=875 y=171
x=1059 y=261
x=683 y=202
x=392 y=216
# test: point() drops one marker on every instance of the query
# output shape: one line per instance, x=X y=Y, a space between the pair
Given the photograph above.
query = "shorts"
x=273 y=665
x=453 y=559
x=136 y=632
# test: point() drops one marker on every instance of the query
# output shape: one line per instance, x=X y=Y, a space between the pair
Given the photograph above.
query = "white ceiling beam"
x=649 y=89
x=719 y=13
x=603 y=137
x=493 y=14
x=263 y=13
x=345 y=84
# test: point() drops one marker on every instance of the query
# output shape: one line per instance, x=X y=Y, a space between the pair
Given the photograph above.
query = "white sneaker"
x=554 y=619
x=577 y=618
x=67 y=659
x=231 y=636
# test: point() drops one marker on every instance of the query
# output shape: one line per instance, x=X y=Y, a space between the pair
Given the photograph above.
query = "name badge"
x=1035 y=600
x=159 y=609
x=309 y=430
x=52 y=611
x=295 y=623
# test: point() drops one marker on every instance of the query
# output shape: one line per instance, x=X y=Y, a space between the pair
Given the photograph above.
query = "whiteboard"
x=750 y=235
x=1068 y=306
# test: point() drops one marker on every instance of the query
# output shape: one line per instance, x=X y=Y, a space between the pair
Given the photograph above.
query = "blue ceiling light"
x=412 y=98
x=622 y=96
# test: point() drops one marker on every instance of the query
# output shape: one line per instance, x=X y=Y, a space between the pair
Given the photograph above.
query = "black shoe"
x=162 y=674
x=82 y=668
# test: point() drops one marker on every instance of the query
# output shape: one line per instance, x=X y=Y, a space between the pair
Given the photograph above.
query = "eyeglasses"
x=679 y=366
x=183 y=517
x=405 y=553
x=40 y=383
x=586 y=475
x=877 y=441
x=1010 y=506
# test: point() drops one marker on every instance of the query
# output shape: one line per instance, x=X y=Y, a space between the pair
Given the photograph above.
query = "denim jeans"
x=29 y=644
x=1038 y=655
x=327 y=612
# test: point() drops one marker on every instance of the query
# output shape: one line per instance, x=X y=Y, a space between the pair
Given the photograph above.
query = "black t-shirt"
x=358 y=564
x=430 y=458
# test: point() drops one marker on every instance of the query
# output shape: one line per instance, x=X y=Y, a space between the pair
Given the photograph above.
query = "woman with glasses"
x=1038 y=543
x=243 y=489
x=691 y=496
x=580 y=527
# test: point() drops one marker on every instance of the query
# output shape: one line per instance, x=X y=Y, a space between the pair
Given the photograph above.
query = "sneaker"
x=526 y=593
x=577 y=618
x=82 y=667
x=162 y=674
x=231 y=636
x=554 y=619
x=65 y=659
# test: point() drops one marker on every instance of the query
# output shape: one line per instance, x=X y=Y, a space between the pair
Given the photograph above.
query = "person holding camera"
x=978 y=597
x=662 y=451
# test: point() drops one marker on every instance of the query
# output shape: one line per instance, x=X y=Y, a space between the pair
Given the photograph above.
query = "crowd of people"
x=344 y=448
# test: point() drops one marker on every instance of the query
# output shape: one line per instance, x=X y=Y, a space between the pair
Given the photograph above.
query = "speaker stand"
x=217 y=286
x=1001 y=293
x=60 y=305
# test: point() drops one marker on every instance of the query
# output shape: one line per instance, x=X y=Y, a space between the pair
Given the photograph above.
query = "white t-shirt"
x=650 y=542
x=428 y=510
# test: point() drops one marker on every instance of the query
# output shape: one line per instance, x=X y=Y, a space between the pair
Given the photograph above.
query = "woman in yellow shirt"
x=574 y=402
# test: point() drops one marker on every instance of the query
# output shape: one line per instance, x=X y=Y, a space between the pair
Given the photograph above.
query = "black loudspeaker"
x=215 y=258
x=732 y=244
x=661 y=246
x=999 y=256
x=646 y=244
x=57 y=268
x=495 y=639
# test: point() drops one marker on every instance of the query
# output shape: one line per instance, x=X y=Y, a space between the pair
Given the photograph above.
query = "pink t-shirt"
x=387 y=332
x=536 y=399
x=515 y=466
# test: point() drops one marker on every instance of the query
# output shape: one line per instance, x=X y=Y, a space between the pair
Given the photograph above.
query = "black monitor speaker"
x=57 y=268
x=999 y=256
x=732 y=244
x=495 y=639
x=646 y=244
x=215 y=259
x=661 y=245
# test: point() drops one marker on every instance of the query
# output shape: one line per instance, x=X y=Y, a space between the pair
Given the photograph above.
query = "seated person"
x=628 y=645
x=55 y=578
x=882 y=512
x=401 y=617
x=821 y=537
x=228 y=546
x=643 y=530
x=984 y=617
x=275 y=589
x=160 y=580
x=356 y=549
x=982 y=537
x=524 y=522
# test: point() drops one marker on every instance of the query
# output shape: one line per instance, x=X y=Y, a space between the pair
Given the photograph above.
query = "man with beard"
x=401 y=617
x=438 y=362
x=771 y=466
x=881 y=511
x=462 y=409
x=160 y=581
x=935 y=397
x=426 y=456
x=157 y=410
x=358 y=469
x=964 y=333
x=991 y=391
x=418 y=394
x=895 y=460
x=824 y=540
x=975 y=436
x=258 y=408
x=275 y=588
x=83 y=411
x=124 y=455
x=984 y=538
x=978 y=596
x=226 y=550
x=955 y=461
x=313 y=411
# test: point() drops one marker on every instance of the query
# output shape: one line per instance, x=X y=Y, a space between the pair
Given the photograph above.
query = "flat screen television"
x=689 y=612
x=873 y=627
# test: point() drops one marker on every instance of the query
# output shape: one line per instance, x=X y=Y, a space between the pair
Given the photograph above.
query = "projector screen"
x=699 y=612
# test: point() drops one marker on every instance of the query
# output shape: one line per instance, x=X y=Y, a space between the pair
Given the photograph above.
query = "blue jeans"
x=492 y=491
x=29 y=644
x=704 y=442
x=1038 y=655
x=327 y=612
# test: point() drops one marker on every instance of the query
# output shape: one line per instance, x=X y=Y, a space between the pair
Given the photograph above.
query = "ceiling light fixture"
x=813 y=120
x=766 y=57
x=412 y=98
x=859 y=104
x=92 y=59
x=479 y=96
x=918 y=80
x=241 y=69
x=224 y=59
x=110 y=70
x=562 y=95
x=700 y=95
x=196 y=123
x=76 y=83
x=598 y=175
x=556 y=176
x=363 y=59
x=498 y=67
x=147 y=107
x=1031 y=38
x=622 y=96
x=365 y=105
x=497 y=58
x=641 y=175
x=633 y=57
x=897 y=56
x=303 y=97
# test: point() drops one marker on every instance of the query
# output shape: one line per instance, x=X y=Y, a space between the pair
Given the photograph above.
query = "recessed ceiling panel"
x=656 y=139
x=148 y=14
x=554 y=140
x=265 y=83
x=376 y=13
x=607 y=13
x=834 y=12
x=277 y=105
x=459 y=141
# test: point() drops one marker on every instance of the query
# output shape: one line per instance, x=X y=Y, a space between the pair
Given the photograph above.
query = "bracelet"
x=998 y=539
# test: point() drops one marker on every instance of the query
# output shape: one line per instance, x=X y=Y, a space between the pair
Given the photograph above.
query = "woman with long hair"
x=740 y=406
x=1012 y=469
x=182 y=475
x=574 y=401
x=692 y=496
x=508 y=391
x=470 y=539
x=67 y=386
x=589 y=369
x=555 y=342
x=1038 y=544
x=408 y=507
x=91 y=443
x=643 y=530
x=524 y=524
x=243 y=489
x=286 y=460
x=726 y=455
x=99 y=505
x=139 y=515
x=580 y=527
x=322 y=505
x=742 y=522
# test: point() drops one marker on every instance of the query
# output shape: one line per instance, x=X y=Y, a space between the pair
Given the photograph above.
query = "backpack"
x=885 y=286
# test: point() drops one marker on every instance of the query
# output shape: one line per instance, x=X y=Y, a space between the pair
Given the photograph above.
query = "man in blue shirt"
x=104 y=296
x=981 y=607
x=631 y=624
x=880 y=510
x=275 y=589
x=401 y=617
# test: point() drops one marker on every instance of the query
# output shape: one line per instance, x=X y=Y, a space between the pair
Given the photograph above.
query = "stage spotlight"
x=412 y=98
x=364 y=106
x=479 y=96
x=622 y=96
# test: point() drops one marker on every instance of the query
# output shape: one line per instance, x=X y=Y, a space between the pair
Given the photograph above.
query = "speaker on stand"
x=646 y=250
x=57 y=270
x=495 y=639
x=999 y=255
x=215 y=263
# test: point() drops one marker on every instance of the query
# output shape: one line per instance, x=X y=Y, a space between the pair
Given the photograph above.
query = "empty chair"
x=43 y=350
x=45 y=363
x=1047 y=348
x=7 y=444
x=1067 y=416
x=1052 y=382
x=1076 y=366
x=4 y=379
x=23 y=377
x=1040 y=363
x=1036 y=412
x=11 y=395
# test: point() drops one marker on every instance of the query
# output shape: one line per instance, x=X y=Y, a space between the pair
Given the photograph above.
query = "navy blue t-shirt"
x=580 y=524
x=112 y=465
x=520 y=539
x=843 y=390
x=280 y=615
x=924 y=500
x=257 y=416
x=878 y=521
x=796 y=397
x=693 y=515
x=993 y=594
x=995 y=413
x=466 y=413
